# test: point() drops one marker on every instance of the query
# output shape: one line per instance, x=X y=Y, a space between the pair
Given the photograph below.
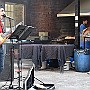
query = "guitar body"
x=86 y=31
x=2 y=39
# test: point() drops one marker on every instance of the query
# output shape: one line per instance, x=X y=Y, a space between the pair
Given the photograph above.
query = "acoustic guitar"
x=3 y=38
x=86 y=31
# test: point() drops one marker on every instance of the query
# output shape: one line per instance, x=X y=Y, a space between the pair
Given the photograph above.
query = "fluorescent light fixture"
x=73 y=14
x=64 y=15
x=85 y=14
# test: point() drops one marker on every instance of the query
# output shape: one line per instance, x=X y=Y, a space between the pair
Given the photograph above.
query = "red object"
x=1 y=27
x=18 y=71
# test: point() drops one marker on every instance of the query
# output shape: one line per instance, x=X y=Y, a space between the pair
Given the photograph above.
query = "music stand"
x=28 y=30
x=17 y=32
x=21 y=33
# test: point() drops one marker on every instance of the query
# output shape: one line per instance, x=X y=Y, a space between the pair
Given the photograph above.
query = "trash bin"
x=82 y=60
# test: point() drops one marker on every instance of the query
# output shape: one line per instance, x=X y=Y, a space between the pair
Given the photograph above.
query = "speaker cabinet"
x=5 y=75
x=52 y=63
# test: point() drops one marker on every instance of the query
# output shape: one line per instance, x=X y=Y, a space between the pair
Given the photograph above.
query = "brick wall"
x=42 y=15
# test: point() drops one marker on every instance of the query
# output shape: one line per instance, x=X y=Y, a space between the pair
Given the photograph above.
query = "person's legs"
x=1 y=59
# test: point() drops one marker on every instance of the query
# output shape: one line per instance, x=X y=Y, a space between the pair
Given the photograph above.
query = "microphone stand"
x=11 y=58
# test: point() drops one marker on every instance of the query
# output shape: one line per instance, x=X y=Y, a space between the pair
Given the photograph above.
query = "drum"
x=82 y=60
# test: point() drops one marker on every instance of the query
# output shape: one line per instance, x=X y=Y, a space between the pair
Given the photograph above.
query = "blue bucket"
x=82 y=60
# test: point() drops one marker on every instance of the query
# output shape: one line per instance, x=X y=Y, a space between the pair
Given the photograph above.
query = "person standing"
x=2 y=13
x=82 y=29
x=1 y=31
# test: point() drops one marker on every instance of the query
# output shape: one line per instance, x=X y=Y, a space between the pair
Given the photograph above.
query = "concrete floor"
x=69 y=80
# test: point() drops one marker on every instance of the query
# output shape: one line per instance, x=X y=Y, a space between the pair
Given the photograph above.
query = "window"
x=15 y=11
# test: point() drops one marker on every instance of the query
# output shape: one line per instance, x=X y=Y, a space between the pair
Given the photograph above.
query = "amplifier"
x=52 y=63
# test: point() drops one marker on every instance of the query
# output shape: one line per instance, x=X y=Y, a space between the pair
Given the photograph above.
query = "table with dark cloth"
x=26 y=51
x=42 y=52
x=31 y=51
x=60 y=52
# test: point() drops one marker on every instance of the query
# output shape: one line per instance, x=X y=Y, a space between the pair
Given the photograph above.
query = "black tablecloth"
x=41 y=52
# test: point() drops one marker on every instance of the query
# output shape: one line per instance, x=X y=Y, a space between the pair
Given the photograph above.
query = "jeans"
x=1 y=59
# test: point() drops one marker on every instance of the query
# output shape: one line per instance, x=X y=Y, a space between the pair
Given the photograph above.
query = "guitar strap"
x=1 y=27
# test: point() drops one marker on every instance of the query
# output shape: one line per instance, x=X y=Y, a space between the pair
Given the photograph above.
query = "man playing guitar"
x=2 y=12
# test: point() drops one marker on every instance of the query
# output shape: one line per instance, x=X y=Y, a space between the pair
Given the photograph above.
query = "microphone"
x=31 y=26
x=7 y=17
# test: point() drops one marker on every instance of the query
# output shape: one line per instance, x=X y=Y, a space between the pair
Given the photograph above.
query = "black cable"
x=44 y=83
x=40 y=81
